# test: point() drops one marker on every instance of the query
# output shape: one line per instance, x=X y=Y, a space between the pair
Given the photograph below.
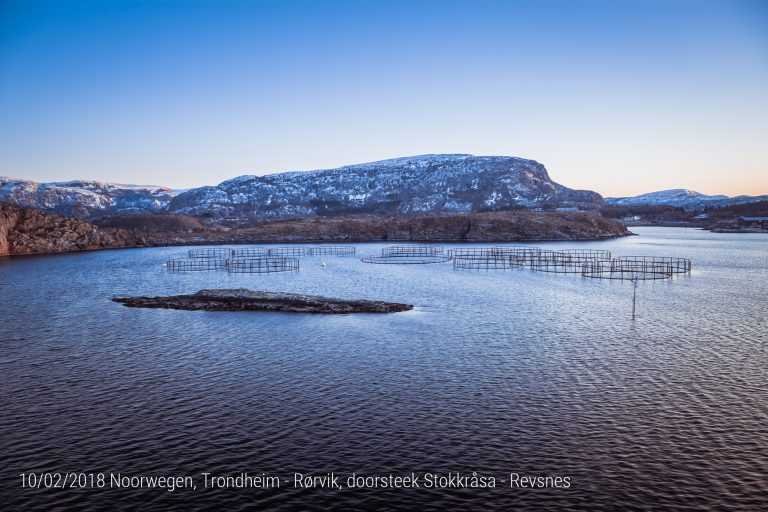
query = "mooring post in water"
x=634 y=296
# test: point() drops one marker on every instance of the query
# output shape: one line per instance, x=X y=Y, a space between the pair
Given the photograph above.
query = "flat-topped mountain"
x=402 y=186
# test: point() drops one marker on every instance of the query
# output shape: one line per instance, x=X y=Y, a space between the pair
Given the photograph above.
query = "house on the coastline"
x=754 y=222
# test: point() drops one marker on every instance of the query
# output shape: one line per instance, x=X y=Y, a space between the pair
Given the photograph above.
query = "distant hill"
x=683 y=198
x=417 y=185
x=85 y=198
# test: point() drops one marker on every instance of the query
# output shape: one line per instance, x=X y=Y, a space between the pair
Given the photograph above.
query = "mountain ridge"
x=683 y=198
x=422 y=184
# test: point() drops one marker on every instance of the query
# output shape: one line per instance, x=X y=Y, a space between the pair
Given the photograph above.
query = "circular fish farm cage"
x=568 y=261
x=195 y=264
x=412 y=250
x=628 y=270
x=490 y=261
x=408 y=255
x=679 y=265
x=263 y=265
x=210 y=252
x=334 y=250
x=499 y=257
x=523 y=255
x=290 y=251
x=479 y=252
x=405 y=260
x=249 y=252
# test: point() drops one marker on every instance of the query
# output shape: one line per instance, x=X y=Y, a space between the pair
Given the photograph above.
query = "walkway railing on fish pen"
x=209 y=252
x=487 y=261
x=405 y=260
x=524 y=255
x=297 y=250
x=408 y=255
x=320 y=250
x=247 y=252
x=568 y=261
x=263 y=265
x=333 y=250
x=195 y=264
x=679 y=265
x=628 y=270
x=412 y=250
x=479 y=252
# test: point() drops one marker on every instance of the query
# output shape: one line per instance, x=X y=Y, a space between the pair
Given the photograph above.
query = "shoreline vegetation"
x=25 y=231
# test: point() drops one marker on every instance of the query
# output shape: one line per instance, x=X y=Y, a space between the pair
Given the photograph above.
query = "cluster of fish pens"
x=252 y=260
x=587 y=262
x=591 y=263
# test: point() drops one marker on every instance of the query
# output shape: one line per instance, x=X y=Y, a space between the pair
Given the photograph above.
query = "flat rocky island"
x=242 y=299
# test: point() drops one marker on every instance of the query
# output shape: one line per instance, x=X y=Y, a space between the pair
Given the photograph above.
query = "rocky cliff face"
x=27 y=231
x=404 y=186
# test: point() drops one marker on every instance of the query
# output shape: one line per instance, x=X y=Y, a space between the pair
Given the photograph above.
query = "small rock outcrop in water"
x=249 y=300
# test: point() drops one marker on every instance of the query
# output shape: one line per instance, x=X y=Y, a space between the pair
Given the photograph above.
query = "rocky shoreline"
x=242 y=299
x=28 y=231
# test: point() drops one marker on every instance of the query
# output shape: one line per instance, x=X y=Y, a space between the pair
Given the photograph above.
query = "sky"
x=620 y=97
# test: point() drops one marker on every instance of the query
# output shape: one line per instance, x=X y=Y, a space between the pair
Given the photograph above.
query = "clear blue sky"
x=621 y=97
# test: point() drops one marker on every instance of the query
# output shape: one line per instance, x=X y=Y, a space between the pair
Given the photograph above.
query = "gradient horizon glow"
x=620 y=97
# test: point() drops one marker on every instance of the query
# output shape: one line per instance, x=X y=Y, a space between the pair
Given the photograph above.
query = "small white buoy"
x=324 y=264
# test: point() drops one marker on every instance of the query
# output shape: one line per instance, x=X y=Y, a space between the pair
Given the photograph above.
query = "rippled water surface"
x=493 y=372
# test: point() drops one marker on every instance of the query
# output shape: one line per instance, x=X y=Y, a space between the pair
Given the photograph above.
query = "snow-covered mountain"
x=411 y=185
x=683 y=198
x=85 y=198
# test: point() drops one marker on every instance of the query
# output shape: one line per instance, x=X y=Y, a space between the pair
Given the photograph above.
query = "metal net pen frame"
x=568 y=261
x=469 y=251
x=333 y=250
x=679 y=265
x=195 y=264
x=628 y=270
x=263 y=265
x=298 y=250
x=250 y=252
x=209 y=252
x=483 y=262
x=405 y=260
x=523 y=256
x=412 y=250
